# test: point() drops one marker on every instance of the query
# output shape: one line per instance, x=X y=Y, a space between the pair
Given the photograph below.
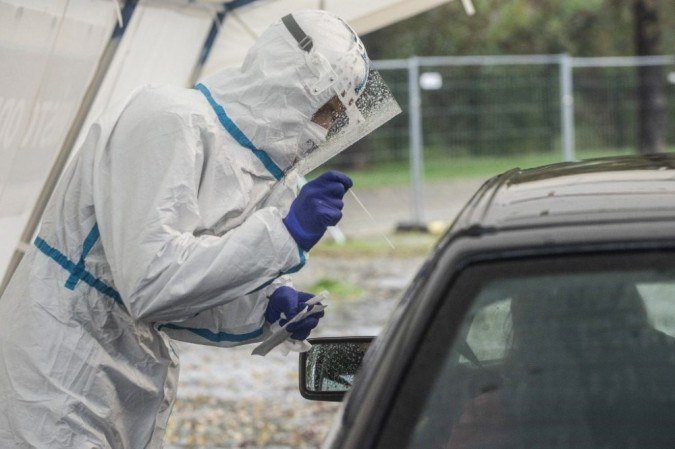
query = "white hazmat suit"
x=162 y=227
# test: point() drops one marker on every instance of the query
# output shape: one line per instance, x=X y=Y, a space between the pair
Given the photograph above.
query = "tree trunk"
x=651 y=96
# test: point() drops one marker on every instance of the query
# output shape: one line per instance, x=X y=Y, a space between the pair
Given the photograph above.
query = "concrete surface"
x=393 y=205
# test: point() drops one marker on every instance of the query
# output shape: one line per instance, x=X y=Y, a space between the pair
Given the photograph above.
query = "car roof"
x=608 y=190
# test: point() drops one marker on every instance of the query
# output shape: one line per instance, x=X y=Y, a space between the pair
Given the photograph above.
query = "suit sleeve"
x=146 y=184
x=235 y=323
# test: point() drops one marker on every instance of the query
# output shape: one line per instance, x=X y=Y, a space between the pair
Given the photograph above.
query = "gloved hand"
x=290 y=302
x=318 y=205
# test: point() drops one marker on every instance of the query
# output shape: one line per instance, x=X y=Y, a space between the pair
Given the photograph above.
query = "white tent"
x=60 y=68
x=242 y=26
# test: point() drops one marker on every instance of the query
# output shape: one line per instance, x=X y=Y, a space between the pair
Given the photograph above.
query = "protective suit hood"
x=271 y=93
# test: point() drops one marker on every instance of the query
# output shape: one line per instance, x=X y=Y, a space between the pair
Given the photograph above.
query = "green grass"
x=337 y=288
x=439 y=168
x=407 y=245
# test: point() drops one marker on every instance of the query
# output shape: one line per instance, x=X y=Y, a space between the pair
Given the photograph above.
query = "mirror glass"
x=330 y=366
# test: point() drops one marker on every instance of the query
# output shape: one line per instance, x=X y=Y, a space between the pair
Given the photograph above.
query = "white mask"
x=311 y=137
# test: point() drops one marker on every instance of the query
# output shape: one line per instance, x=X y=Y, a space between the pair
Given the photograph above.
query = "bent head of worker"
x=307 y=81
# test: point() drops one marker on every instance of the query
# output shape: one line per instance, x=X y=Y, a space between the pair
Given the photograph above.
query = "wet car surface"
x=544 y=318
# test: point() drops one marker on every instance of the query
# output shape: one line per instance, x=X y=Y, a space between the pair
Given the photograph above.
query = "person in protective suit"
x=171 y=224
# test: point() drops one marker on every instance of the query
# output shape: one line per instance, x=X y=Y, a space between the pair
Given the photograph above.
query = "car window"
x=566 y=353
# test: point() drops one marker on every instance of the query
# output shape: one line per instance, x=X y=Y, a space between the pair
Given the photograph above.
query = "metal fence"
x=510 y=105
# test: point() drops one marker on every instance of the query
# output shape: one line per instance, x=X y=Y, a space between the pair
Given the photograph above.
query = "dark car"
x=544 y=318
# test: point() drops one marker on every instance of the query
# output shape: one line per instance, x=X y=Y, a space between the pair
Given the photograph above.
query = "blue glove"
x=318 y=205
x=290 y=302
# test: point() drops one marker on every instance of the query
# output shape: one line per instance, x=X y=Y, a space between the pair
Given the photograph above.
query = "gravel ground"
x=230 y=399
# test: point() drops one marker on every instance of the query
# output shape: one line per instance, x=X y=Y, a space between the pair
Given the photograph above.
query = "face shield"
x=359 y=101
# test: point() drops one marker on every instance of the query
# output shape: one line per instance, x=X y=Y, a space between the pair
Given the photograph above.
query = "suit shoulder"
x=154 y=105
x=159 y=99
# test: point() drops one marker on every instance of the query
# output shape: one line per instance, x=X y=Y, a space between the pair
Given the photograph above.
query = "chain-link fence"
x=607 y=105
x=508 y=106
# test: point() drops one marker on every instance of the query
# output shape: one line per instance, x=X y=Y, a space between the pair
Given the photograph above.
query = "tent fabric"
x=49 y=52
x=247 y=19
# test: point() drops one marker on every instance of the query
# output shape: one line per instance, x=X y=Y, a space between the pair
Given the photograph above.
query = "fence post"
x=416 y=156
x=567 y=107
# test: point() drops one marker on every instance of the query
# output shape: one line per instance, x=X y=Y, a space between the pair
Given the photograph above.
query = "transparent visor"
x=348 y=118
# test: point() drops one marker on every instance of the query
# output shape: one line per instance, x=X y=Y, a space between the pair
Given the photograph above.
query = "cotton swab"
x=358 y=201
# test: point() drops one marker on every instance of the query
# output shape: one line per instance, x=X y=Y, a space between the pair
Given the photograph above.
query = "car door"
x=573 y=351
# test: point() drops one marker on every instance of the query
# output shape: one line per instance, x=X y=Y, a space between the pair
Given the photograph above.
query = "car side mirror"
x=327 y=370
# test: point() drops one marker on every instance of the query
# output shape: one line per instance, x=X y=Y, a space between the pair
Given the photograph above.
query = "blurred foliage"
x=577 y=27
